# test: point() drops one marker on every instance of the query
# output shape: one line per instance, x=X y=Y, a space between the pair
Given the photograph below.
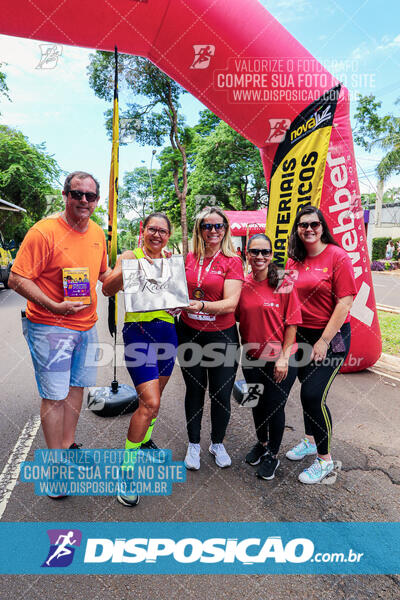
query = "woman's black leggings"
x=316 y=379
x=216 y=365
x=269 y=414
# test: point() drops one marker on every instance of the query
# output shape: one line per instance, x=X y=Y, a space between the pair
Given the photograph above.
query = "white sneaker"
x=192 y=458
x=222 y=458
x=303 y=448
x=317 y=471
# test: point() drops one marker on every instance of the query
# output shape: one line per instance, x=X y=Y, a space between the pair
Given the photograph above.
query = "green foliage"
x=379 y=247
x=151 y=121
x=391 y=196
x=99 y=216
x=175 y=241
x=368 y=200
x=3 y=84
x=27 y=178
x=148 y=122
x=136 y=193
x=164 y=187
x=374 y=130
x=128 y=233
x=389 y=324
x=229 y=167
x=207 y=123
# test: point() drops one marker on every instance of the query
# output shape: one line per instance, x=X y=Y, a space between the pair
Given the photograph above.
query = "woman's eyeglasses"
x=154 y=230
x=314 y=225
x=78 y=195
x=211 y=226
x=262 y=251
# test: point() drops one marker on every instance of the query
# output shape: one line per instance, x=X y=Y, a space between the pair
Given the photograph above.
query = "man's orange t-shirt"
x=50 y=246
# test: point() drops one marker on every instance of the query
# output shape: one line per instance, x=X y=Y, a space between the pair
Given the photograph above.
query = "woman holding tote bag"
x=214 y=275
x=141 y=331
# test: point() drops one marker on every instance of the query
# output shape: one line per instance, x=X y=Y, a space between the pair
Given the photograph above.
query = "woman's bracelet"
x=327 y=343
x=202 y=308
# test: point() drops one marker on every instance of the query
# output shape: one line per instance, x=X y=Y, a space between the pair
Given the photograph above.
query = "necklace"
x=198 y=292
x=151 y=257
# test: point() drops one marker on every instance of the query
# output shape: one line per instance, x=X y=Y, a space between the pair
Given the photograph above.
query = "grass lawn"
x=390 y=329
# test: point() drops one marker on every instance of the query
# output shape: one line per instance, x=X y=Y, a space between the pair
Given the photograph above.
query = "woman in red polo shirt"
x=326 y=288
x=207 y=332
x=268 y=316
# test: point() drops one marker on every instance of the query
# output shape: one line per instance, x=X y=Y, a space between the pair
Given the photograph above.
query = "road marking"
x=10 y=474
x=383 y=374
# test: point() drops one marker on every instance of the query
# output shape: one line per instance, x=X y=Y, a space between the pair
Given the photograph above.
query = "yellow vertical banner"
x=113 y=187
x=113 y=202
x=298 y=172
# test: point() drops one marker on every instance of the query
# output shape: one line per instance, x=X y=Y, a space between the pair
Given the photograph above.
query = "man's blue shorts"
x=150 y=349
x=61 y=357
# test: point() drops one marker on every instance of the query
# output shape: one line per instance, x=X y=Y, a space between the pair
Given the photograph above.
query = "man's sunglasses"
x=314 y=225
x=78 y=195
x=262 y=251
x=210 y=226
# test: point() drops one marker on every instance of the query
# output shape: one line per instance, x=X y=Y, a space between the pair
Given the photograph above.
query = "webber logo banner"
x=298 y=170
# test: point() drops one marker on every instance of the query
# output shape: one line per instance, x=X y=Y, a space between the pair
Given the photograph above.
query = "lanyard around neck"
x=206 y=270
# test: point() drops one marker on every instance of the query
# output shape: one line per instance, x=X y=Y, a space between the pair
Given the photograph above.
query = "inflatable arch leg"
x=241 y=63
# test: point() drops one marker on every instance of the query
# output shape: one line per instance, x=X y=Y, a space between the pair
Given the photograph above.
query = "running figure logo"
x=62 y=547
x=50 y=55
x=202 y=56
x=60 y=348
x=278 y=128
x=252 y=394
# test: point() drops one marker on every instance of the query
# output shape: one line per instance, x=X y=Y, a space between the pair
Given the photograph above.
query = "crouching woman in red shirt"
x=268 y=319
x=326 y=288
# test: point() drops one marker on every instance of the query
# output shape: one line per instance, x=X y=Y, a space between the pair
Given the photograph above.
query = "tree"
x=208 y=122
x=152 y=121
x=229 y=167
x=28 y=178
x=128 y=233
x=99 y=216
x=3 y=84
x=382 y=132
x=392 y=195
x=136 y=192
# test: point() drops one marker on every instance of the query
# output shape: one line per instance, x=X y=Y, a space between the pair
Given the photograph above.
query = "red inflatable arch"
x=241 y=63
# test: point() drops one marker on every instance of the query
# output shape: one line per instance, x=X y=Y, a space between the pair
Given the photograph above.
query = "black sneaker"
x=157 y=456
x=79 y=457
x=150 y=445
x=255 y=454
x=268 y=467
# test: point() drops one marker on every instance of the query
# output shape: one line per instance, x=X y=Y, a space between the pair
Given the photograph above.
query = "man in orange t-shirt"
x=61 y=334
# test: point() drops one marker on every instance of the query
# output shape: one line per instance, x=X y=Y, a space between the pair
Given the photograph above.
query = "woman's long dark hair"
x=296 y=249
x=272 y=273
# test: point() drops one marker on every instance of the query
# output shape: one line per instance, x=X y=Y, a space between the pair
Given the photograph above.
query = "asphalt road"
x=387 y=288
x=366 y=442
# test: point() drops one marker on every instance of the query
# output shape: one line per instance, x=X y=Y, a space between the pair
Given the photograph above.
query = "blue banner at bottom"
x=200 y=548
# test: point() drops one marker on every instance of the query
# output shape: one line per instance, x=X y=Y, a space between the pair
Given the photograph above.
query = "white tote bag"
x=159 y=286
